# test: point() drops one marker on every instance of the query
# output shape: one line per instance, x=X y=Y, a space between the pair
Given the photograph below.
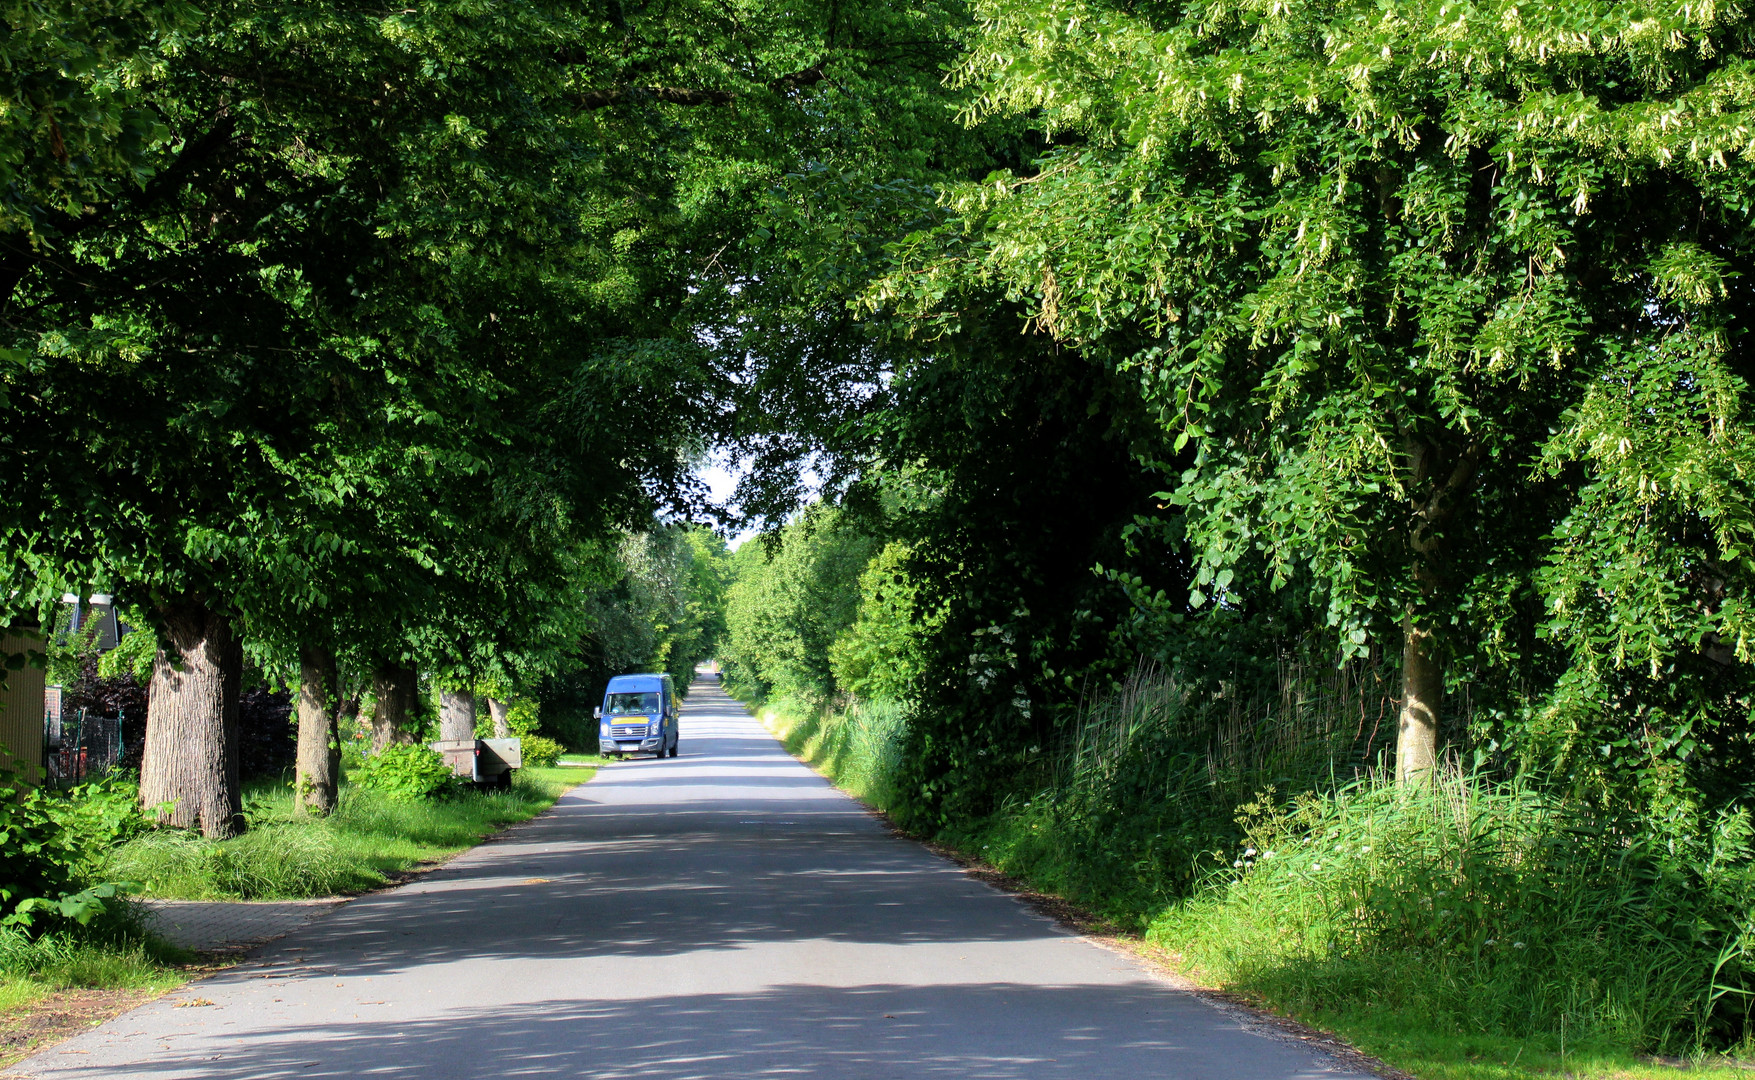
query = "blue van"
x=638 y=716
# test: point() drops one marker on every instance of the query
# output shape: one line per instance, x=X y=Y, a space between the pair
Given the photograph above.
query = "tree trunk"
x=189 y=770
x=456 y=715
x=1440 y=478
x=1416 y=745
x=393 y=687
x=318 y=777
x=501 y=714
x=232 y=693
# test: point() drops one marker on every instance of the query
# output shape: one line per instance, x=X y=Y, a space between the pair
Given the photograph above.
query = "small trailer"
x=483 y=761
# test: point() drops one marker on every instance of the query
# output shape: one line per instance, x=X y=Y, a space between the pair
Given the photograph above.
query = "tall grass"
x=1137 y=803
x=856 y=744
x=1474 y=907
x=369 y=838
x=1254 y=835
x=64 y=960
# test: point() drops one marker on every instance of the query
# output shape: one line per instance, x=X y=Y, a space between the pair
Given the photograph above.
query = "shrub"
x=33 y=861
x=50 y=848
x=538 y=752
x=407 y=772
x=1473 y=907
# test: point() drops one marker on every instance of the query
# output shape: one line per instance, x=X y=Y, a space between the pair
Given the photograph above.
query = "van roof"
x=634 y=684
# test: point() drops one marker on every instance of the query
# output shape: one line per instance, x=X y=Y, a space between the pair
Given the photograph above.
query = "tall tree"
x=1446 y=302
x=404 y=307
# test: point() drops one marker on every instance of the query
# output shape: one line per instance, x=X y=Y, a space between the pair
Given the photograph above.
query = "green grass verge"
x=1407 y=1020
x=32 y=968
x=106 y=974
x=368 y=840
x=854 y=749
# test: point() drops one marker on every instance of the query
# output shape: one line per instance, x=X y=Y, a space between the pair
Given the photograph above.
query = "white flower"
x=1366 y=850
x=1517 y=944
x=1267 y=855
x=1316 y=866
x=1248 y=853
x=1491 y=941
x=1238 y=864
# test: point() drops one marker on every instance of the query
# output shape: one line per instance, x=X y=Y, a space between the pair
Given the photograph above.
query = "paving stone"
x=229 y=925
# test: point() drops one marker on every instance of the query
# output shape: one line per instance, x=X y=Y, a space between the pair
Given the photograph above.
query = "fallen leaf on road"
x=537 y=881
x=192 y=1002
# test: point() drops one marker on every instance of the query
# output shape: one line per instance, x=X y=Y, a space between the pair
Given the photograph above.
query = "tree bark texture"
x=1416 y=746
x=317 y=779
x=190 y=764
x=393 y=689
x=456 y=715
x=501 y=712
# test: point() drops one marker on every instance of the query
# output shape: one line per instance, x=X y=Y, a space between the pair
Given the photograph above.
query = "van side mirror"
x=597 y=713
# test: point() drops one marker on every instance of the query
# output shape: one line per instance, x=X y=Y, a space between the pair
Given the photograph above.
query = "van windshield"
x=628 y=704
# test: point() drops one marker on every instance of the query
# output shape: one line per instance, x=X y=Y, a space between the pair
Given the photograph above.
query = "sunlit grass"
x=370 y=838
x=856 y=748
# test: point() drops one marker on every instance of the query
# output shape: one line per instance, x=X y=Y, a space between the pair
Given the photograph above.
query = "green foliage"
x=857 y=746
x=407 y=771
x=371 y=837
x=874 y=658
x=786 y=607
x=51 y=846
x=1472 y=907
x=540 y=753
x=133 y=654
x=1434 y=310
x=77 y=124
x=93 y=817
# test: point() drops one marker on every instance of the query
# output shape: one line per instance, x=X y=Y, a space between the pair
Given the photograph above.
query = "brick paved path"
x=231 y=926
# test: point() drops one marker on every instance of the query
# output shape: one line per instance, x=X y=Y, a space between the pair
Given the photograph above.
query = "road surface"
x=725 y=914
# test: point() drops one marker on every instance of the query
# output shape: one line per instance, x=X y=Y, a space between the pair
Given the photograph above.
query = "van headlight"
x=603 y=729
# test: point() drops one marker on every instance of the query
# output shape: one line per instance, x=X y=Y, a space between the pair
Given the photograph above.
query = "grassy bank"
x=55 y=985
x=371 y=839
x=1476 y=931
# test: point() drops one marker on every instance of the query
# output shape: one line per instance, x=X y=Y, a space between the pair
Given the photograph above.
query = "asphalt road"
x=725 y=914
